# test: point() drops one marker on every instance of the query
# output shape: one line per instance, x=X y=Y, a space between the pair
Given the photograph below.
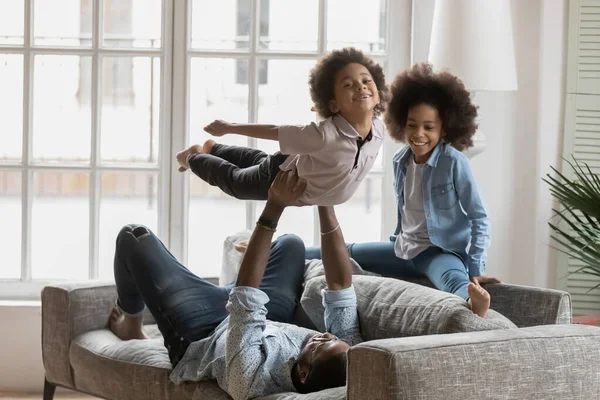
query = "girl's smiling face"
x=423 y=131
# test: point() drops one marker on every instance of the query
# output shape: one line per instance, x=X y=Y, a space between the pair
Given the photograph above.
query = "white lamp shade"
x=473 y=39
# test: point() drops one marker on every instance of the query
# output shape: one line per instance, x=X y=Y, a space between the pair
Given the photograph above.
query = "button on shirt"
x=250 y=356
x=331 y=157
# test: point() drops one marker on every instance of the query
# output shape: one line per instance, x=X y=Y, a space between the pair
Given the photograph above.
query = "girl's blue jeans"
x=445 y=270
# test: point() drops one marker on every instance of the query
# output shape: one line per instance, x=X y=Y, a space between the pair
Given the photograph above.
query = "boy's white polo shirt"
x=325 y=154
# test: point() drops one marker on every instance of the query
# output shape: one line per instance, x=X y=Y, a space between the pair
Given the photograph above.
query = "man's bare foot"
x=479 y=299
x=183 y=155
x=125 y=326
x=208 y=145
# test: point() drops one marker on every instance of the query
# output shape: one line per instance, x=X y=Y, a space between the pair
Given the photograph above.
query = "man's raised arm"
x=246 y=306
x=339 y=300
x=336 y=261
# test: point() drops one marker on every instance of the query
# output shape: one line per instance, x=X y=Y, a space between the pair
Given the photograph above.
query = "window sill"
x=20 y=303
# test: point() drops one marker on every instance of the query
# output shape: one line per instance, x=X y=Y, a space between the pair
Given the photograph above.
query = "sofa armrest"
x=68 y=310
x=553 y=361
x=530 y=306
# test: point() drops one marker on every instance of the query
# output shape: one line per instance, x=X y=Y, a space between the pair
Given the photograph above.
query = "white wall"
x=21 y=366
x=524 y=137
x=524 y=131
x=553 y=47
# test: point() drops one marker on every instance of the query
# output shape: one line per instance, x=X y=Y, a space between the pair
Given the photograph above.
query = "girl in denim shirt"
x=443 y=228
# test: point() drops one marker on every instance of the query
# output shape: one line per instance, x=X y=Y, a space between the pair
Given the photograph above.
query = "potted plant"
x=579 y=199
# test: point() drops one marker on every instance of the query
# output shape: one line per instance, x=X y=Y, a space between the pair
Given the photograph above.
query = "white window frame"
x=25 y=288
x=173 y=191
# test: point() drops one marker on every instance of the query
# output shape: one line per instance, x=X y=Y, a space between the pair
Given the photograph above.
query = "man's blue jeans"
x=188 y=308
x=445 y=270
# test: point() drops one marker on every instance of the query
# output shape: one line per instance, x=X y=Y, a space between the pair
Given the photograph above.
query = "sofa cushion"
x=390 y=308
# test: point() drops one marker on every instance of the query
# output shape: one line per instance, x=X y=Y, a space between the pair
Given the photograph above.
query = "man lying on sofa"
x=240 y=336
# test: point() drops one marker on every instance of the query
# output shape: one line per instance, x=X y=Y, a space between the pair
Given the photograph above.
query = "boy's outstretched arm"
x=220 y=128
x=336 y=261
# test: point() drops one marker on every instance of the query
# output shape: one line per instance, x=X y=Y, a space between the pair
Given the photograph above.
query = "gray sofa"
x=411 y=349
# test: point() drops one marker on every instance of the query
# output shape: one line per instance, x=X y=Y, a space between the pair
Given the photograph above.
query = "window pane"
x=60 y=225
x=223 y=24
x=285 y=99
x=367 y=34
x=132 y=23
x=360 y=217
x=11 y=21
x=130 y=109
x=10 y=228
x=289 y=25
x=11 y=106
x=69 y=24
x=297 y=220
x=217 y=92
x=213 y=216
x=61 y=108
x=125 y=198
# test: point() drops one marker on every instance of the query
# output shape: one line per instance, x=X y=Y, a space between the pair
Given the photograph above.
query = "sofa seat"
x=103 y=363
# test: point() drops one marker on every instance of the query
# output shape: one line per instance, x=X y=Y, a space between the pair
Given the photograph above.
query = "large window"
x=98 y=95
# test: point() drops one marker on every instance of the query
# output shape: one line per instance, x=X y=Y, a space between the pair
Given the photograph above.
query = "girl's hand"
x=484 y=279
x=286 y=189
x=218 y=128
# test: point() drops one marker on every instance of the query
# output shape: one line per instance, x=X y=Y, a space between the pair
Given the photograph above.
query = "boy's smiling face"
x=355 y=92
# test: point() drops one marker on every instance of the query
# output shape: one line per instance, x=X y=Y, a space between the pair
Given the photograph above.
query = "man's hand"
x=182 y=156
x=286 y=189
x=484 y=279
x=218 y=128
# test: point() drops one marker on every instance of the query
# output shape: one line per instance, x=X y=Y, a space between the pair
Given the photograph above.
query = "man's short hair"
x=326 y=374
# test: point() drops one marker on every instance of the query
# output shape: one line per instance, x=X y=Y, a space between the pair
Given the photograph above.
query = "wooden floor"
x=38 y=396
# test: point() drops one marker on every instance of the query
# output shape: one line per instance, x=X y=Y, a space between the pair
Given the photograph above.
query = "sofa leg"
x=49 y=389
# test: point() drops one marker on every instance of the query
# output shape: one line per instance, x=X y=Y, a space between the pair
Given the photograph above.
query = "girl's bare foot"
x=479 y=299
x=183 y=155
x=124 y=326
x=208 y=145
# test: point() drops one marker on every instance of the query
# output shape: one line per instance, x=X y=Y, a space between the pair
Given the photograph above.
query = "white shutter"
x=582 y=130
x=584 y=47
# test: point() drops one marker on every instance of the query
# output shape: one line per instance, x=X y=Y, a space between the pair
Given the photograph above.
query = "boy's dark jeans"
x=241 y=172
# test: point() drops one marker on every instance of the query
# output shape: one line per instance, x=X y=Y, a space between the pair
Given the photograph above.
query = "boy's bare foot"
x=479 y=299
x=208 y=145
x=183 y=155
x=125 y=326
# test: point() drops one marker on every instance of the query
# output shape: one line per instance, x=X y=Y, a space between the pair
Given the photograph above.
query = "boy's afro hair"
x=444 y=92
x=322 y=78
